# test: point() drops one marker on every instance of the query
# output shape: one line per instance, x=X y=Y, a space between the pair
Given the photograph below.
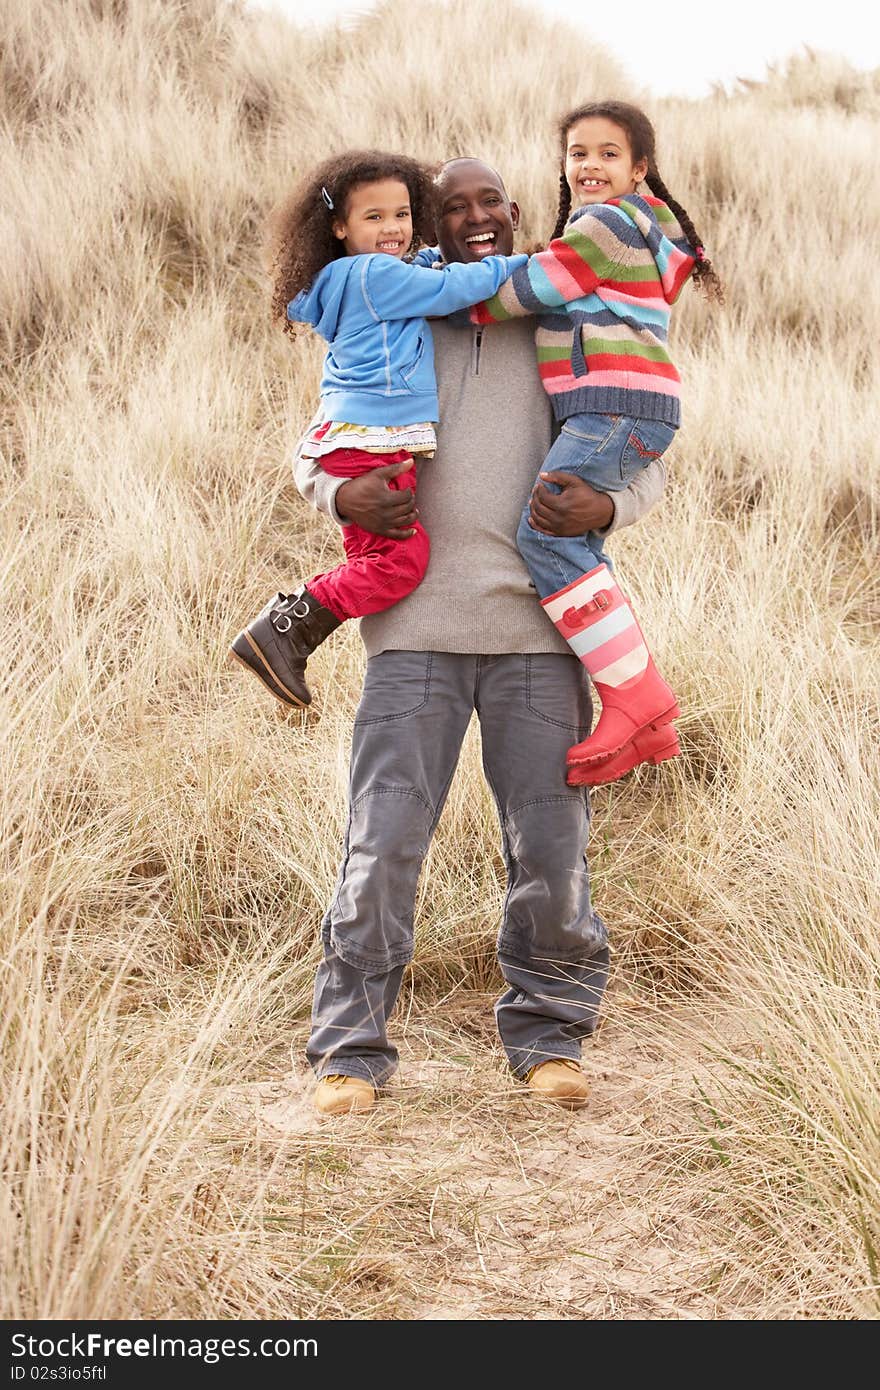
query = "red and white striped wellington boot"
x=650 y=746
x=599 y=625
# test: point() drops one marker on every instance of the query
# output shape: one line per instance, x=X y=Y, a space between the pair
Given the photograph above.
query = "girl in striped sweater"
x=602 y=291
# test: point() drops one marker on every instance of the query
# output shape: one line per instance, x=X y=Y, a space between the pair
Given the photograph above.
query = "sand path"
x=458 y=1197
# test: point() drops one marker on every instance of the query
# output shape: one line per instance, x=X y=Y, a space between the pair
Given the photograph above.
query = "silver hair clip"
x=327 y=199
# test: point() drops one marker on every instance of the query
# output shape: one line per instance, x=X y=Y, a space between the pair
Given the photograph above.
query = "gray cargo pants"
x=552 y=946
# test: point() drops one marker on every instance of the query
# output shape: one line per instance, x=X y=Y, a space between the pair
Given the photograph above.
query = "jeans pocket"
x=647 y=441
x=592 y=429
x=557 y=691
x=396 y=684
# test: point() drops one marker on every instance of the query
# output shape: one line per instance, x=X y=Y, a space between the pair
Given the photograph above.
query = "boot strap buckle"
x=597 y=604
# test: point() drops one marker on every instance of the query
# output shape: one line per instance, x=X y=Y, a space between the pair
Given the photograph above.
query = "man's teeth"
x=480 y=236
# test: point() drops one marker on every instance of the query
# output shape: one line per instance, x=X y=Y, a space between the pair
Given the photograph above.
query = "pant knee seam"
x=378 y=963
x=384 y=790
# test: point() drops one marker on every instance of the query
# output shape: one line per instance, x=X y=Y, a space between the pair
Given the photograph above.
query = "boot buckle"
x=282 y=622
x=597 y=604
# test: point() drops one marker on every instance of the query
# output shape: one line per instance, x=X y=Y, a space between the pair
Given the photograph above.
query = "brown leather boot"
x=277 y=644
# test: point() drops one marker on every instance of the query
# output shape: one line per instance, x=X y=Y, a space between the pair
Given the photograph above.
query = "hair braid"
x=704 y=274
x=564 y=206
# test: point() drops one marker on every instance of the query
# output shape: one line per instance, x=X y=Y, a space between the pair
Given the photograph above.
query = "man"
x=471 y=637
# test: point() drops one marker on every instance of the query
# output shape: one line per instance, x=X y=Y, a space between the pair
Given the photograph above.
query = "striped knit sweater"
x=602 y=292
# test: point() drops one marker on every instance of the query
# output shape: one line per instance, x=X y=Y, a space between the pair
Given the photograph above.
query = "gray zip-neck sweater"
x=495 y=431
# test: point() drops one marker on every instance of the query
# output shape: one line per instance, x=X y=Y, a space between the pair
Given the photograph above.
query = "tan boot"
x=341 y=1095
x=560 y=1081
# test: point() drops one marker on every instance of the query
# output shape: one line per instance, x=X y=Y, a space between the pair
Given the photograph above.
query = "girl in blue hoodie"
x=338 y=265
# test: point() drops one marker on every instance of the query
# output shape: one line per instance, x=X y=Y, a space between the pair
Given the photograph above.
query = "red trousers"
x=377 y=571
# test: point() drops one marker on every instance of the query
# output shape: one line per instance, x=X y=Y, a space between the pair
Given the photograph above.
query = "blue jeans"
x=607 y=451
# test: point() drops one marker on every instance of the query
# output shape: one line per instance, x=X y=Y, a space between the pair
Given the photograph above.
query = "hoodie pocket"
x=410 y=372
x=578 y=361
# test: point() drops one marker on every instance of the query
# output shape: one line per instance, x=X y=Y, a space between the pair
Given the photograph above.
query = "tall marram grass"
x=169 y=845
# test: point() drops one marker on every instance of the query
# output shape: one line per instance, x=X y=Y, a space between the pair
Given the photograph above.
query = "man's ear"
x=337 y=229
x=514 y=215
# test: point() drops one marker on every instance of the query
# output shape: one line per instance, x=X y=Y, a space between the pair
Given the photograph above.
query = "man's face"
x=476 y=216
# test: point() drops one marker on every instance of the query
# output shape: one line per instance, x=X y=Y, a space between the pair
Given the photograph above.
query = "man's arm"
x=317 y=487
x=579 y=508
x=367 y=501
x=643 y=493
x=370 y=503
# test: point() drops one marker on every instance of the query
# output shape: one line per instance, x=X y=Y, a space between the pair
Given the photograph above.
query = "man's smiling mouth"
x=480 y=241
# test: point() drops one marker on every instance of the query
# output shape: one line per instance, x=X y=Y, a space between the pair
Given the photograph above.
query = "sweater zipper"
x=478 y=345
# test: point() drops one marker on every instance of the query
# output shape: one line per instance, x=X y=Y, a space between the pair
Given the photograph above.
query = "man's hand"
x=578 y=508
x=370 y=503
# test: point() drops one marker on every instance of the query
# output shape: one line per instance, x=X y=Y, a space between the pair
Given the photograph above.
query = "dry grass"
x=168 y=845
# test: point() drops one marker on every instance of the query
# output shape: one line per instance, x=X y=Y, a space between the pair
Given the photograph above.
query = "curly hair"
x=301 y=240
x=642 y=142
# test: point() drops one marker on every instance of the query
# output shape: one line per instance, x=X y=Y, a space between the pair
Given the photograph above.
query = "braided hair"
x=301 y=240
x=642 y=142
x=564 y=200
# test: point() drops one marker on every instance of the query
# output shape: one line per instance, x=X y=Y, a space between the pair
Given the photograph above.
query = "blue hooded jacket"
x=371 y=309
